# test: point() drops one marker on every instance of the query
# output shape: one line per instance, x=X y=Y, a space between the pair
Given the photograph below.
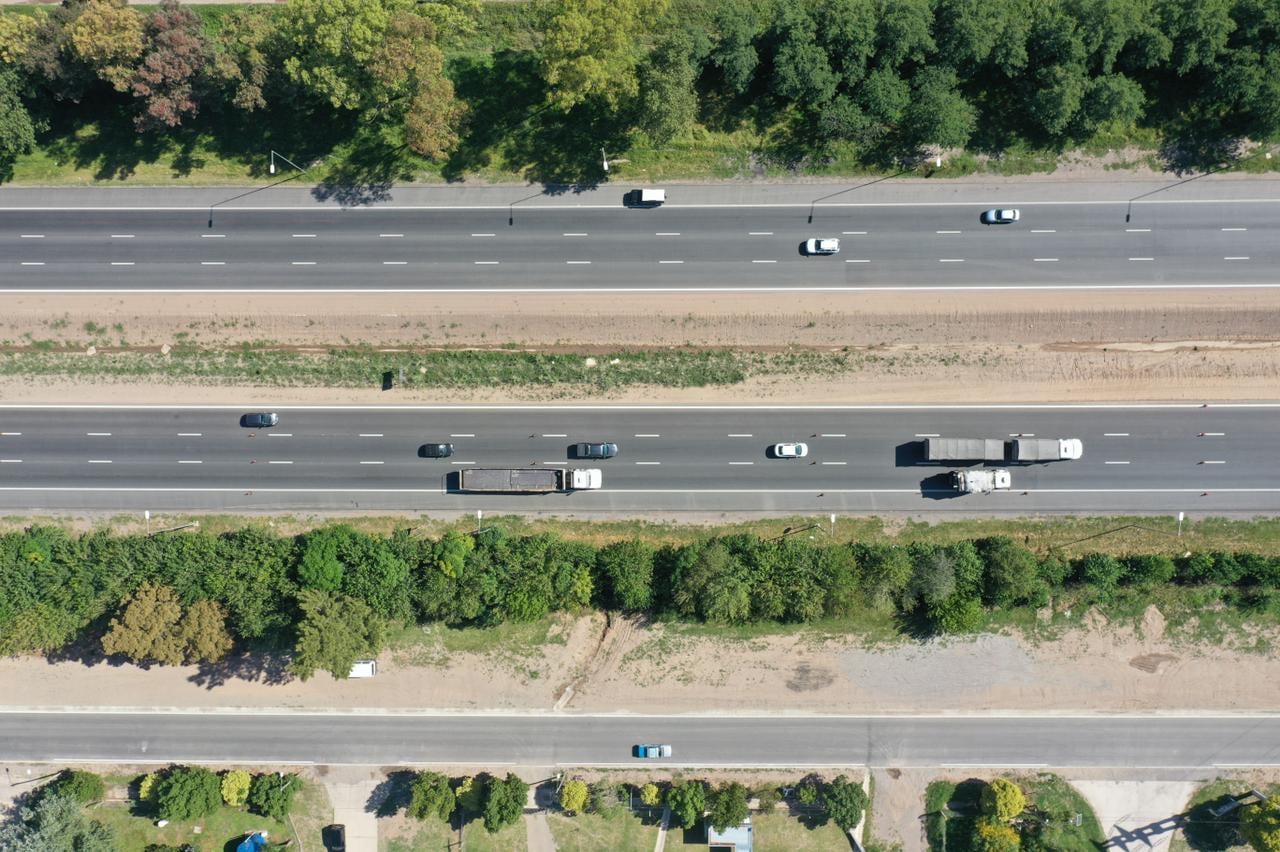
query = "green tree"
x=628 y=566
x=320 y=567
x=431 y=795
x=1198 y=31
x=573 y=796
x=886 y=572
x=1011 y=575
x=334 y=632
x=801 y=69
x=939 y=114
x=589 y=48
x=239 y=59
x=235 y=787
x=740 y=26
x=1102 y=571
x=84 y=787
x=409 y=68
x=470 y=795
x=957 y=614
x=146 y=630
x=650 y=794
x=846 y=802
x=905 y=32
x=688 y=802
x=55 y=823
x=187 y=793
x=169 y=79
x=17 y=34
x=668 y=97
x=1260 y=825
x=1002 y=800
x=17 y=131
x=933 y=577
x=729 y=806
x=108 y=37
x=450 y=553
x=203 y=632
x=994 y=836
x=504 y=802
x=331 y=45
x=271 y=794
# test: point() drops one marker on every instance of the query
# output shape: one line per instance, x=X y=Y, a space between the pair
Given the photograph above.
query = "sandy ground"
x=633 y=667
x=1117 y=345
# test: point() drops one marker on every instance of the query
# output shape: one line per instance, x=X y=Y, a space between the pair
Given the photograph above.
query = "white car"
x=822 y=246
x=1000 y=216
x=791 y=450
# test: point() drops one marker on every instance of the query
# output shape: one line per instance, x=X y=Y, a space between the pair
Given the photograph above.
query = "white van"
x=646 y=197
x=364 y=668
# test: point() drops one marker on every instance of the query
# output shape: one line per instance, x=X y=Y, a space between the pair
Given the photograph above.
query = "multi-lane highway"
x=604 y=246
x=1208 y=459
x=1202 y=742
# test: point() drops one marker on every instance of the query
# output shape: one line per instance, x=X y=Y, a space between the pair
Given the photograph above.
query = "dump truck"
x=528 y=480
x=980 y=480
x=1019 y=450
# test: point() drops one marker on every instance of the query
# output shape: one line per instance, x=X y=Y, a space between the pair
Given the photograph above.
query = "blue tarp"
x=252 y=843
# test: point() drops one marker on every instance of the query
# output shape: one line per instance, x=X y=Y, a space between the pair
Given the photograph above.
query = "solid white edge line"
x=603 y=492
x=1010 y=406
x=923 y=288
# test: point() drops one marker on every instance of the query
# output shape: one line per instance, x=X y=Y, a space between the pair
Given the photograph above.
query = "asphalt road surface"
x=1153 y=459
x=608 y=247
x=542 y=740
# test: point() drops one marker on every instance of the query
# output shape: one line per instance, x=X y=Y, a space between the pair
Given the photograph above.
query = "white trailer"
x=528 y=480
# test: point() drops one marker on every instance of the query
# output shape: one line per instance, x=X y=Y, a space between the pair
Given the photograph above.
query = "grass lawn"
x=1204 y=832
x=1053 y=797
x=476 y=838
x=619 y=830
x=780 y=830
x=311 y=810
x=430 y=835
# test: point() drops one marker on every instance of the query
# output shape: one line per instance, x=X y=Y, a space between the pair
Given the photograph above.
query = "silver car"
x=1000 y=216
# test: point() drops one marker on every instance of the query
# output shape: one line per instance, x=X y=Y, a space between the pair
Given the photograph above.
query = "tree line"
x=887 y=76
x=329 y=594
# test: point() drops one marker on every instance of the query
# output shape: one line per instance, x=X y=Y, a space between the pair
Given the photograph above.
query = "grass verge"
x=1205 y=832
x=619 y=829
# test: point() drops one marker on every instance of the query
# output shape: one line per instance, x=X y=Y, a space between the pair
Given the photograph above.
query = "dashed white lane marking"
x=1137 y=230
x=667 y=234
x=647 y=435
x=190 y=461
x=1142 y=258
x=850 y=233
x=648 y=462
x=1043 y=231
x=389 y=236
x=1213 y=434
x=395 y=263
x=573 y=235
x=835 y=463
x=1022 y=434
x=1045 y=259
x=764 y=261
x=279 y=434
x=370 y=434
x=122 y=263
x=10 y=461
x=462 y=435
x=1213 y=461
x=99 y=461
x=759 y=233
x=554 y=462
x=951 y=260
x=741 y=462
x=671 y=261
x=578 y=262
x=484 y=235
x=462 y=462
x=1115 y=434
x=9 y=434
x=740 y=435
x=33 y=263
x=98 y=434
x=1235 y=229
x=555 y=435
x=130 y=236
x=303 y=263
x=190 y=434
x=372 y=462
x=213 y=236
x=946 y=232
x=486 y=263
x=926 y=434
x=831 y=435
x=269 y=461
x=1235 y=258
x=213 y=263
x=32 y=236
x=858 y=260
x=1115 y=462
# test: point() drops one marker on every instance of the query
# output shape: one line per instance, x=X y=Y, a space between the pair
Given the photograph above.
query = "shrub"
x=271 y=795
x=504 y=802
x=650 y=794
x=688 y=802
x=573 y=796
x=147 y=786
x=1002 y=799
x=187 y=793
x=846 y=802
x=431 y=795
x=84 y=787
x=235 y=787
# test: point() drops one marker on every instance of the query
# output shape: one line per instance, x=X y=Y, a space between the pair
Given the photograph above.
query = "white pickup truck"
x=980 y=480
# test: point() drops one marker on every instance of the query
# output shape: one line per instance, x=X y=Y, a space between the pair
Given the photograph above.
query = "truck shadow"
x=909 y=454
x=938 y=487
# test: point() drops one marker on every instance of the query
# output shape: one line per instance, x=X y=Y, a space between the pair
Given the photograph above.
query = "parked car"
x=651 y=751
x=791 y=450
x=260 y=419
x=437 y=451
x=1000 y=216
x=645 y=198
x=818 y=245
x=334 y=837
x=595 y=451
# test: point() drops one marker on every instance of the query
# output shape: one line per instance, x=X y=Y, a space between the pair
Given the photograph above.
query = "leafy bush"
x=431 y=795
x=84 y=787
x=235 y=787
x=573 y=796
x=187 y=793
x=271 y=795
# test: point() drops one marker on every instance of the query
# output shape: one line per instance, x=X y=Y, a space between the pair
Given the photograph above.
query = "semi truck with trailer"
x=1017 y=450
x=528 y=480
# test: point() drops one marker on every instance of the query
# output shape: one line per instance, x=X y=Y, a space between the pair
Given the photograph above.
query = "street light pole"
x=272 y=167
x=605 y=159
